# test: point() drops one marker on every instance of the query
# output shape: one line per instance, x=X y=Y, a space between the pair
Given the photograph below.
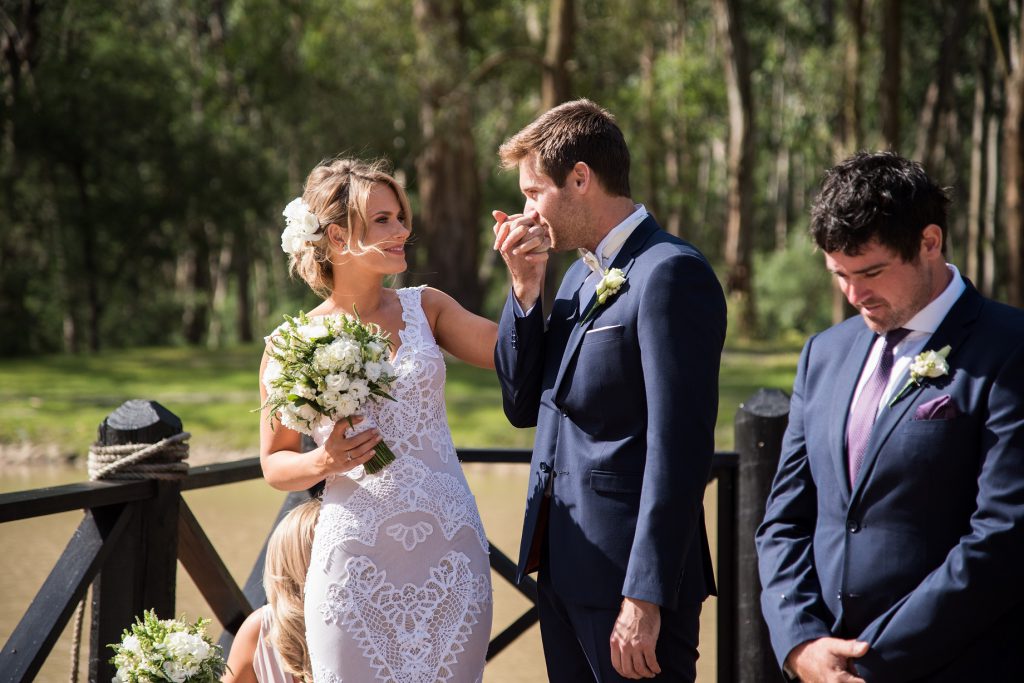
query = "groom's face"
x=558 y=209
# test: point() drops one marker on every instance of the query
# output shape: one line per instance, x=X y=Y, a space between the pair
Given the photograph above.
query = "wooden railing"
x=134 y=532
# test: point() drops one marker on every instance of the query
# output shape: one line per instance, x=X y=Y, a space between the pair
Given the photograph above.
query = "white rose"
x=372 y=370
x=313 y=331
x=609 y=284
x=346 y=406
x=301 y=226
x=359 y=389
x=329 y=400
x=175 y=672
x=304 y=390
x=270 y=374
x=374 y=349
x=131 y=644
x=337 y=382
x=325 y=359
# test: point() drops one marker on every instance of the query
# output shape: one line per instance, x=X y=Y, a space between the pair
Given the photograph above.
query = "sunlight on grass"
x=62 y=399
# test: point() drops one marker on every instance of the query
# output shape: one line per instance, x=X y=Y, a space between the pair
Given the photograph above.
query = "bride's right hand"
x=342 y=453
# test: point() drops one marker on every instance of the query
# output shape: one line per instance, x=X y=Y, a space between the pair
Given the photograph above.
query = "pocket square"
x=940 y=408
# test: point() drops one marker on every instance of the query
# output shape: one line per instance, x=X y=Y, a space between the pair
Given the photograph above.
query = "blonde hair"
x=336 y=192
x=284 y=580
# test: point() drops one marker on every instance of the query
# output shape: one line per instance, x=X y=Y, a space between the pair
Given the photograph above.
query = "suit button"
x=545 y=468
x=852 y=526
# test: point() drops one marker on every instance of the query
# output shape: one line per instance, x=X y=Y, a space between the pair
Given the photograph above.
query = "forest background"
x=148 y=147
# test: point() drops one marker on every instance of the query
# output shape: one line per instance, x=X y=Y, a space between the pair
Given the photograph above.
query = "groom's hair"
x=575 y=131
x=881 y=196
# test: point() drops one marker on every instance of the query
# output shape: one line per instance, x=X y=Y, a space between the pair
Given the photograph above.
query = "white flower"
x=359 y=389
x=375 y=350
x=372 y=370
x=301 y=226
x=312 y=331
x=304 y=390
x=337 y=382
x=347 y=405
x=131 y=644
x=930 y=364
x=927 y=364
x=387 y=369
x=329 y=400
x=271 y=373
x=611 y=282
x=175 y=671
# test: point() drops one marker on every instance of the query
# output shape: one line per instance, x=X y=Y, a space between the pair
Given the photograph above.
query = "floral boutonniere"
x=927 y=364
x=611 y=282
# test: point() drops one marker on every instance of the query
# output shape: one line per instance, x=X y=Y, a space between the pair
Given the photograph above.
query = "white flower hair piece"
x=301 y=226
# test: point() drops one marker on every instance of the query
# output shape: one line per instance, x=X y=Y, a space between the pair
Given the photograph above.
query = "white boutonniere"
x=611 y=282
x=926 y=365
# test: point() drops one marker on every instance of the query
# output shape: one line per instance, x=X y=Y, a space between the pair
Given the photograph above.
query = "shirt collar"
x=608 y=247
x=931 y=316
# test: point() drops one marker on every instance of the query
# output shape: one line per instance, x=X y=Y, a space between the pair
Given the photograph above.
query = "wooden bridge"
x=134 y=532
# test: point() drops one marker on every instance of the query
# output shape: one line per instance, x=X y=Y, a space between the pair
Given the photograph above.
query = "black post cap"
x=138 y=421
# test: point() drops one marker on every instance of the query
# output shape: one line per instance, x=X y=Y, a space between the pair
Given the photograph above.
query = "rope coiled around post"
x=164 y=459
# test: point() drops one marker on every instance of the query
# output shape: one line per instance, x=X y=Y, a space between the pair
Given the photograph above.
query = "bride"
x=399 y=583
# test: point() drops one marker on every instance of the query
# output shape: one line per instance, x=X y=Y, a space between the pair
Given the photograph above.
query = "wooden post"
x=760 y=424
x=141 y=572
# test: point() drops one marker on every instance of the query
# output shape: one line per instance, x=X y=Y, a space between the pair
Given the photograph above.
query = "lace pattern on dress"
x=406 y=485
x=413 y=633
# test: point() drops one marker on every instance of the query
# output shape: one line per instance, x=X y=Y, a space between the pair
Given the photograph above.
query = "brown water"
x=237 y=518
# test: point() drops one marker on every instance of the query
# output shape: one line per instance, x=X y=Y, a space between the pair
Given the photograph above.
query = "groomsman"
x=892 y=547
x=621 y=381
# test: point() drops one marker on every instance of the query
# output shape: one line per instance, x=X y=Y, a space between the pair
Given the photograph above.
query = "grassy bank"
x=55 y=403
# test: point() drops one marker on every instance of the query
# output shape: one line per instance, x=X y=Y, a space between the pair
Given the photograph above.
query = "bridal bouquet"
x=325 y=369
x=167 y=650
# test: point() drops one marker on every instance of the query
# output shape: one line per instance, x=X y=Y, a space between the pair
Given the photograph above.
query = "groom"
x=621 y=381
x=892 y=547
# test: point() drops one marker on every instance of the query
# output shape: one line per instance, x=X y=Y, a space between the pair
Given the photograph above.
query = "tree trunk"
x=449 y=222
x=892 y=72
x=988 y=248
x=221 y=271
x=555 y=82
x=976 y=189
x=1013 y=158
x=939 y=96
x=242 y=262
x=851 y=77
x=738 y=242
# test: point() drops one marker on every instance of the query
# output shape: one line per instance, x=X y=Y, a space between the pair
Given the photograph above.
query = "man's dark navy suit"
x=625 y=407
x=924 y=558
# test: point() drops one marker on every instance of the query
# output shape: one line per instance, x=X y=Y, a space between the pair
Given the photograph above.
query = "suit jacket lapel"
x=842 y=397
x=623 y=260
x=952 y=331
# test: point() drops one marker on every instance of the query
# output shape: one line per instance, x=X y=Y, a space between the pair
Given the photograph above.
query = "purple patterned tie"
x=862 y=418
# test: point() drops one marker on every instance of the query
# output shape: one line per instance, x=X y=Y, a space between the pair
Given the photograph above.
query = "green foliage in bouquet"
x=167 y=650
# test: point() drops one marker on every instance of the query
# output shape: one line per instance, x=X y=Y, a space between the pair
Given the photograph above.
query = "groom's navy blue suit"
x=625 y=407
x=924 y=558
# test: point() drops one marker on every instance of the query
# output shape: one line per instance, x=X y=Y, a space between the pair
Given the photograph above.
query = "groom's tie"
x=863 y=416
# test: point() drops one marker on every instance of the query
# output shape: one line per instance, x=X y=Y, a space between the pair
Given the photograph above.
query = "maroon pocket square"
x=940 y=408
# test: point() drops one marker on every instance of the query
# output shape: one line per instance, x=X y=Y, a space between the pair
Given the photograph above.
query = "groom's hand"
x=826 y=660
x=634 y=638
x=523 y=244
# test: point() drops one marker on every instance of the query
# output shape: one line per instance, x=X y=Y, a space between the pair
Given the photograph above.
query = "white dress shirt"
x=922 y=326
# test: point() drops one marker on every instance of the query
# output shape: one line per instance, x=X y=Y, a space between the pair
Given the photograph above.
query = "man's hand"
x=634 y=638
x=826 y=660
x=524 y=245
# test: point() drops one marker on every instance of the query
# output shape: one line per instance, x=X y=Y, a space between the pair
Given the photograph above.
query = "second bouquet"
x=324 y=369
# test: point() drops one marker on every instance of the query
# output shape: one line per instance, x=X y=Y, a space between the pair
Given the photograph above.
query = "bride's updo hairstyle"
x=336 y=192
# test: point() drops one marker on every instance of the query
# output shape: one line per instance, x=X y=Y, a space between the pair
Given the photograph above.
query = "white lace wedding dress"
x=399 y=584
